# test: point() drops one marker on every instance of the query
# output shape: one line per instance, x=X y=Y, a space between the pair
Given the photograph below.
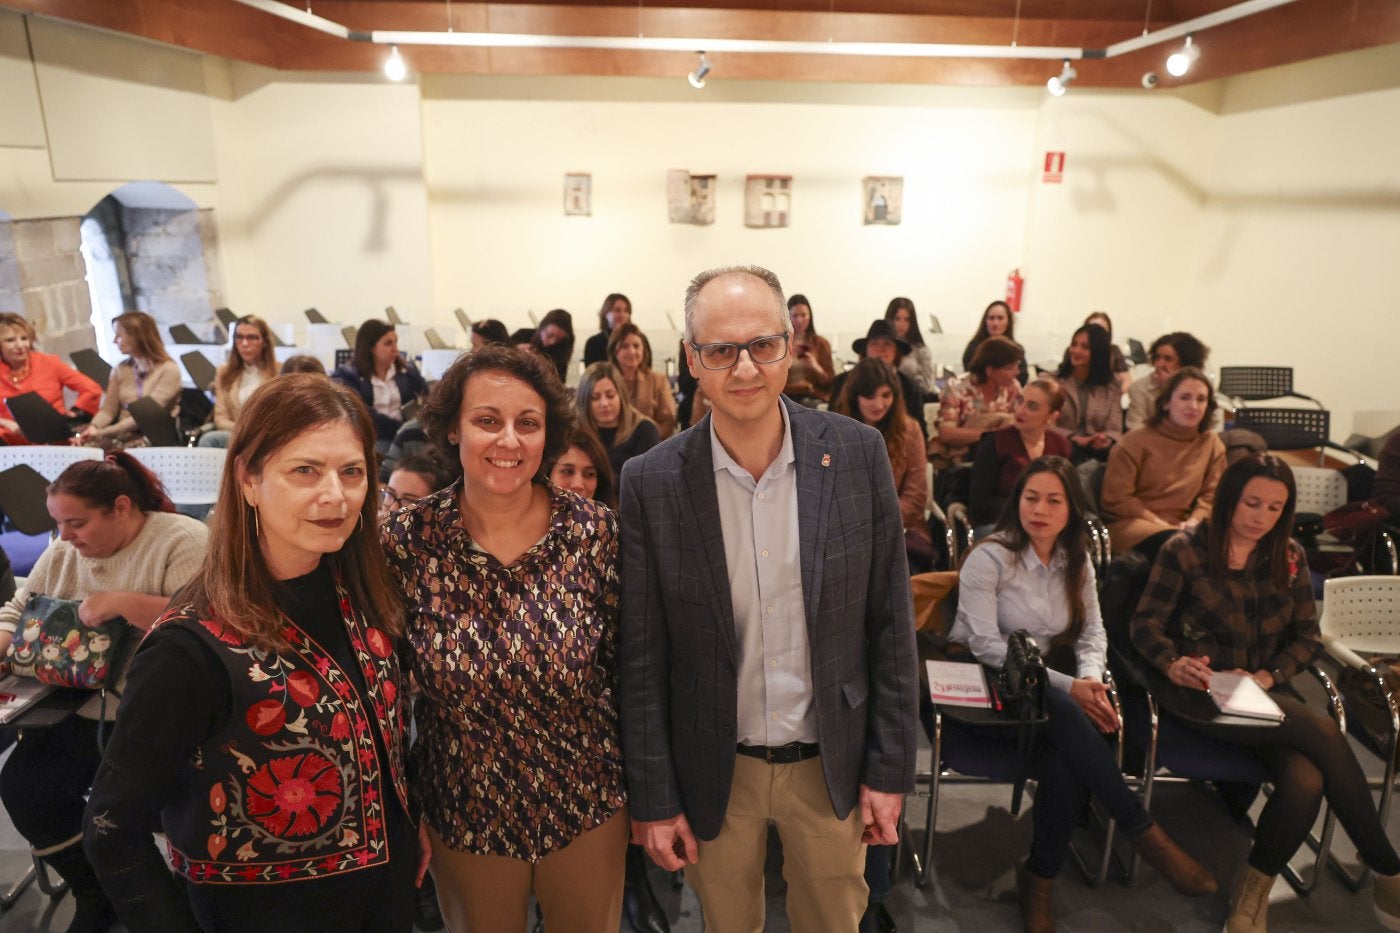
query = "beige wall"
x=1259 y=212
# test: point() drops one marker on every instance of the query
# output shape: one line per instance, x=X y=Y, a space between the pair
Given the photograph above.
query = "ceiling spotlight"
x=697 y=77
x=395 y=68
x=1060 y=83
x=1178 y=63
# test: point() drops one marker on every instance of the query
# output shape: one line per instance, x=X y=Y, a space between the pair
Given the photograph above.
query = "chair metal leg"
x=7 y=900
x=47 y=885
x=924 y=855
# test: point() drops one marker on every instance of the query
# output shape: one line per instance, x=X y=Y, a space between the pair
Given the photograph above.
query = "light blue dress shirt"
x=759 y=523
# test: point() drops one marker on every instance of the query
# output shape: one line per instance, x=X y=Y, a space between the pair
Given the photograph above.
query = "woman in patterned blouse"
x=1233 y=594
x=512 y=592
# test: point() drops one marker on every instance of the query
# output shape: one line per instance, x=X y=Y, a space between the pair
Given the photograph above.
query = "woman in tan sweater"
x=650 y=391
x=147 y=372
x=1161 y=478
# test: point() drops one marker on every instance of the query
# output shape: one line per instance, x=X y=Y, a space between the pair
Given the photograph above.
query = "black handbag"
x=1021 y=683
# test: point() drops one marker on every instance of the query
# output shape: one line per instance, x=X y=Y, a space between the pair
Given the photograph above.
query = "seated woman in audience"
x=489 y=331
x=1161 y=478
x=264 y=724
x=121 y=552
x=605 y=410
x=812 y=371
x=147 y=372
x=997 y=321
x=250 y=363
x=918 y=363
x=1001 y=455
x=979 y=400
x=554 y=340
x=583 y=469
x=1122 y=369
x=384 y=380
x=1092 y=418
x=302 y=363
x=616 y=311
x=414 y=477
x=1233 y=594
x=1033 y=573
x=881 y=343
x=1169 y=353
x=514 y=793
x=872 y=395
x=24 y=369
x=650 y=391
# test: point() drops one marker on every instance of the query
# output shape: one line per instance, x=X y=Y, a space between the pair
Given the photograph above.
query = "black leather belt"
x=788 y=754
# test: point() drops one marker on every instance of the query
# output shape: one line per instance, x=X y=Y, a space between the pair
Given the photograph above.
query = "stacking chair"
x=202 y=372
x=191 y=474
x=1290 y=428
x=1360 y=620
x=1157 y=714
x=90 y=364
x=48 y=462
x=156 y=423
x=1259 y=383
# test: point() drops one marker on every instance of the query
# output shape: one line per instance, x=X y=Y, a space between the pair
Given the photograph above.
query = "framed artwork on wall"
x=578 y=194
x=767 y=200
x=883 y=199
x=690 y=199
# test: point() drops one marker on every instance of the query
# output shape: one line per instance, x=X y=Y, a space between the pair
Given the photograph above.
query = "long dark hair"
x=143 y=338
x=982 y=324
x=370 y=333
x=1273 y=547
x=1164 y=398
x=1073 y=540
x=1100 y=356
x=560 y=353
x=100 y=482
x=593 y=449
x=608 y=302
x=266 y=364
x=864 y=380
x=914 y=336
x=235 y=584
x=801 y=299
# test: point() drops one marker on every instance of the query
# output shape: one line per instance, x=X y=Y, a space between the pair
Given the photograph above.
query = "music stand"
x=37 y=420
x=202 y=372
x=90 y=364
x=157 y=424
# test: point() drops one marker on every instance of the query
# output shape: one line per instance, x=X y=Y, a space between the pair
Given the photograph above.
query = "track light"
x=395 y=68
x=697 y=77
x=1178 y=63
x=1060 y=83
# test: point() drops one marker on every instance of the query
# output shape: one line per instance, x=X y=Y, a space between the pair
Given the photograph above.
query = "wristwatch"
x=1278 y=677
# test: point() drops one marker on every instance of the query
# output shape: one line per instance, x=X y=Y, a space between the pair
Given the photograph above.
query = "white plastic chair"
x=47 y=460
x=1361 y=619
x=191 y=474
x=1319 y=490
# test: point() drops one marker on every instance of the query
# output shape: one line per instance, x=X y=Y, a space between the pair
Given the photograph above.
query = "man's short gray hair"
x=692 y=294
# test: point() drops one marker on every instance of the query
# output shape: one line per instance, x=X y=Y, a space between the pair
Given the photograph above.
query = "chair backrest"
x=435 y=340
x=1363 y=613
x=315 y=317
x=393 y=316
x=226 y=317
x=1254 y=383
x=1319 y=490
x=1136 y=351
x=92 y=365
x=343 y=356
x=181 y=333
x=23 y=499
x=1287 y=428
x=931 y=593
x=462 y=319
x=48 y=462
x=202 y=372
x=191 y=474
x=157 y=424
x=349 y=333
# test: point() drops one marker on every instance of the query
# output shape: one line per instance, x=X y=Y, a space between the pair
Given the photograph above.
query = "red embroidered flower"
x=340 y=727
x=294 y=796
x=266 y=717
x=379 y=643
x=303 y=688
x=391 y=691
x=226 y=635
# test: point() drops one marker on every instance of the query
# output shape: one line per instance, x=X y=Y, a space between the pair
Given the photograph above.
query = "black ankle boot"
x=93 y=913
x=639 y=904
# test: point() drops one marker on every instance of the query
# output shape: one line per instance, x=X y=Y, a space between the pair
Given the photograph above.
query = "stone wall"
x=53 y=287
x=166 y=257
x=10 y=299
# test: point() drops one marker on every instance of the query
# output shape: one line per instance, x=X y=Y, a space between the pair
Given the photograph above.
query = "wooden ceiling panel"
x=1301 y=30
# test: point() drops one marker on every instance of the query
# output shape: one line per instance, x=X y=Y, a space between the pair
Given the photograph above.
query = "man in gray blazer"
x=768 y=662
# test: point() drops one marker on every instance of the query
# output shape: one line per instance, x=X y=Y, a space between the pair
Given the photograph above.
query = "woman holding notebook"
x=1233 y=594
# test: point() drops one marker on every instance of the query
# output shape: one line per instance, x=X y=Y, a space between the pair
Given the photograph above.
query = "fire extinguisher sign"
x=1054 y=168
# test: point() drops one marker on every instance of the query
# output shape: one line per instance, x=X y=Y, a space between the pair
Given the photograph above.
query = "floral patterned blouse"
x=961 y=399
x=518 y=750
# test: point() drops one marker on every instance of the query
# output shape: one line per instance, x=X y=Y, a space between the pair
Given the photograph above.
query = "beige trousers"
x=823 y=858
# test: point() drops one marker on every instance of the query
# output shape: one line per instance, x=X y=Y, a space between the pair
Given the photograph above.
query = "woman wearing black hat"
x=880 y=342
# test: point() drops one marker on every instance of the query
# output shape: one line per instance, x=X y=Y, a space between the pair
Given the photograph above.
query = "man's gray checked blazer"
x=679 y=693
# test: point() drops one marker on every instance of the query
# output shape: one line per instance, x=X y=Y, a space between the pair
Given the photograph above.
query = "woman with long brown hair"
x=147 y=372
x=650 y=391
x=383 y=379
x=251 y=362
x=276 y=671
x=605 y=410
x=122 y=550
x=1033 y=573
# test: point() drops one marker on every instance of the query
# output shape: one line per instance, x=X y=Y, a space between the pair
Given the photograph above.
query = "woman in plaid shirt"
x=1233 y=594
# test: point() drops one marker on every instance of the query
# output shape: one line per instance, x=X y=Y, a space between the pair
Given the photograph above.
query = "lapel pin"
x=826 y=460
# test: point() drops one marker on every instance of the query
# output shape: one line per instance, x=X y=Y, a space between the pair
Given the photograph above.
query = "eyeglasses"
x=392 y=500
x=249 y=338
x=762 y=350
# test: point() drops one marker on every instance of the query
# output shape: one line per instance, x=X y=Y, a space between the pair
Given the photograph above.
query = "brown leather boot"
x=1183 y=872
x=1249 y=904
x=1037 y=902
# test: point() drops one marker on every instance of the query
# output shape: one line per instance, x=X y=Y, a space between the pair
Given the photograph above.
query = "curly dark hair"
x=441 y=410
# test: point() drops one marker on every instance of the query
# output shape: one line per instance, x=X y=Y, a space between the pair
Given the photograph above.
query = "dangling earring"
x=361 y=525
x=257 y=529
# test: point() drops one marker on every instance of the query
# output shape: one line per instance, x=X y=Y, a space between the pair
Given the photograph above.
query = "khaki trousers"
x=823 y=858
x=579 y=886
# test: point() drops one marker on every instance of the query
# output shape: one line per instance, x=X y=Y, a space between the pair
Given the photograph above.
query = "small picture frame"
x=883 y=199
x=578 y=194
x=690 y=199
x=767 y=200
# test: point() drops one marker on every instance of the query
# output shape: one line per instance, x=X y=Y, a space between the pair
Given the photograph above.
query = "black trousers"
x=44 y=783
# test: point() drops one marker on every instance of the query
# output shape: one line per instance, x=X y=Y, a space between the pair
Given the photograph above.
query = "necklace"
x=19 y=375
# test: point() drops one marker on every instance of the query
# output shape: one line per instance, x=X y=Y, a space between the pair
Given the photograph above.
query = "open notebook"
x=17 y=694
x=1241 y=695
